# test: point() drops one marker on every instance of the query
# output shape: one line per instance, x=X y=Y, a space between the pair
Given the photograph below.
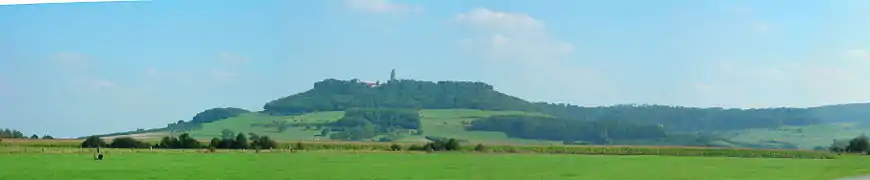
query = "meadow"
x=61 y=159
x=408 y=165
x=805 y=137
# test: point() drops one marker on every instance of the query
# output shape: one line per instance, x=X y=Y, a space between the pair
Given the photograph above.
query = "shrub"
x=451 y=145
x=479 y=148
x=267 y=143
x=169 y=142
x=185 y=141
x=395 y=147
x=93 y=142
x=299 y=146
x=127 y=142
x=241 y=142
x=417 y=148
x=215 y=143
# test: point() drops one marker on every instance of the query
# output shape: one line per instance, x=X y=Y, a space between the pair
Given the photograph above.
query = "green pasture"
x=348 y=165
x=805 y=137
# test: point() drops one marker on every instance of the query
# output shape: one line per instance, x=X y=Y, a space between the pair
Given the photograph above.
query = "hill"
x=410 y=110
x=338 y=95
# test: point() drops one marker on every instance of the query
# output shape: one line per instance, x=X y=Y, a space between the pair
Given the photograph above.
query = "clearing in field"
x=404 y=166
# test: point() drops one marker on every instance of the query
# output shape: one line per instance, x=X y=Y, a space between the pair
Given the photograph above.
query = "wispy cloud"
x=530 y=58
x=20 y=2
x=382 y=6
x=506 y=35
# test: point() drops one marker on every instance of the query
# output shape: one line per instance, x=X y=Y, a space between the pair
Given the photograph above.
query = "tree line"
x=566 y=130
x=859 y=144
x=11 y=133
x=685 y=119
x=338 y=95
x=185 y=141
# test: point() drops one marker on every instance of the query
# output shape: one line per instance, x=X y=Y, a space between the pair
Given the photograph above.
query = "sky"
x=78 y=69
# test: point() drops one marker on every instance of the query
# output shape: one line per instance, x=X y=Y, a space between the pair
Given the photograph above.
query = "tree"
x=47 y=137
x=241 y=142
x=185 y=141
x=127 y=142
x=227 y=134
x=858 y=144
x=267 y=143
x=169 y=142
x=299 y=146
x=479 y=148
x=215 y=143
x=395 y=147
x=216 y=114
x=93 y=142
x=34 y=136
x=451 y=145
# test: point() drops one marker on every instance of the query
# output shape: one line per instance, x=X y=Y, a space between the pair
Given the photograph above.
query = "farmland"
x=403 y=165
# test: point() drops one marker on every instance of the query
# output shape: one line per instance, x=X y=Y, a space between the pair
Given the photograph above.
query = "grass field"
x=805 y=137
x=444 y=123
x=347 y=165
x=448 y=123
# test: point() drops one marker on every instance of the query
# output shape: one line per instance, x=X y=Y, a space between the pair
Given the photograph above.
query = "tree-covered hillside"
x=216 y=114
x=338 y=95
x=391 y=110
x=557 y=129
x=685 y=119
x=857 y=112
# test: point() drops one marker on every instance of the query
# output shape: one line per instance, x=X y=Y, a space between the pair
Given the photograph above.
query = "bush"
x=417 y=148
x=215 y=143
x=451 y=145
x=479 y=148
x=395 y=147
x=299 y=146
x=93 y=142
x=127 y=142
x=241 y=142
x=187 y=142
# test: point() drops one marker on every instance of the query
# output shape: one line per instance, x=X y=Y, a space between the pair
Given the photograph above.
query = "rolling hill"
x=454 y=108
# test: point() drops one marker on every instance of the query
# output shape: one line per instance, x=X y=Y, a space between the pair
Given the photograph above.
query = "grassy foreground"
x=349 y=165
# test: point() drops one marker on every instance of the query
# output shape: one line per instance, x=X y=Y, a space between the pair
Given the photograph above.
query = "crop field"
x=406 y=165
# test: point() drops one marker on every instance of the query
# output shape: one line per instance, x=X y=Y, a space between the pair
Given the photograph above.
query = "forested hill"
x=338 y=95
x=686 y=119
x=855 y=112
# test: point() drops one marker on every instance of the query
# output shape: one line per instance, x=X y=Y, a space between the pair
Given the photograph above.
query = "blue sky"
x=83 y=68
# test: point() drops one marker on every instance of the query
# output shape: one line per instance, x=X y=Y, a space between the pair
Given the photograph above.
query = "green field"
x=448 y=123
x=348 y=165
x=443 y=123
x=805 y=137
